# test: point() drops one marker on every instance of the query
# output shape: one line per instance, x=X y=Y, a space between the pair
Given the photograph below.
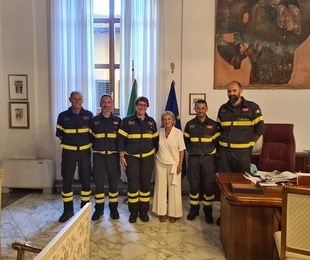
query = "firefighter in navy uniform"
x=137 y=143
x=241 y=125
x=201 y=140
x=104 y=128
x=73 y=131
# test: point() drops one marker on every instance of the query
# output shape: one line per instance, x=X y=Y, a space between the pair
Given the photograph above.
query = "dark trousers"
x=68 y=166
x=200 y=174
x=236 y=160
x=139 y=174
x=106 y=165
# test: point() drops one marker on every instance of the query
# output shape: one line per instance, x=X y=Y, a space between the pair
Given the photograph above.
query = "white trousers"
x=163 y=184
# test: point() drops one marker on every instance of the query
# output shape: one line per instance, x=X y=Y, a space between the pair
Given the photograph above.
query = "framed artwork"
x=18 y=87
x=19 y=114
x=263 y=44
x=193 y=97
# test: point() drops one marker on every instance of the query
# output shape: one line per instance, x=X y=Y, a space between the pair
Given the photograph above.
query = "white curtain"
x=71 y=56
x=141 y=42
x=71 y=48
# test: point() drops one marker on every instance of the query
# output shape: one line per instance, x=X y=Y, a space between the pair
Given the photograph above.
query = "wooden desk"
x=247 y=220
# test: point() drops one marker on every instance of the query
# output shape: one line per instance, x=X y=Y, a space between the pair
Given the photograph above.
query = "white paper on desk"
x=276 y=176
x=251 y=178
x=258 y=179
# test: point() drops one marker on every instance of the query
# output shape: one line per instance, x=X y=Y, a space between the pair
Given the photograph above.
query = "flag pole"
x=133 y=70
x=172 y=69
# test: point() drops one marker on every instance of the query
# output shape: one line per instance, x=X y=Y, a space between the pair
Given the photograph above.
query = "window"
x=107 y=49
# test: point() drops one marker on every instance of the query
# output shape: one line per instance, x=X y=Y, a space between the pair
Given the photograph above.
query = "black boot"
x=68 y=212
x=208 y=214
x=193 y=212
x=144 y=217
x=113 y=210
x=83 y=203
x=98 y=211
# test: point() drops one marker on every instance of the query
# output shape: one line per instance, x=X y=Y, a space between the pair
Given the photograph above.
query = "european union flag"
x=172 y=105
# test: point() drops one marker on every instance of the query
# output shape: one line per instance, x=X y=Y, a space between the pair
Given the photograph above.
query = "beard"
x=233 y=99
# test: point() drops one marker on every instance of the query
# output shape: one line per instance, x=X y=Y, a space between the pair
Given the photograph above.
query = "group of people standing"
x=139 y=147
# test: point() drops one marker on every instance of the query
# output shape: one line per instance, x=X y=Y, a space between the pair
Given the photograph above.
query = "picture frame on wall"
x=263 y=44
x=19 y=115
x=18 y=87
x=193 y=97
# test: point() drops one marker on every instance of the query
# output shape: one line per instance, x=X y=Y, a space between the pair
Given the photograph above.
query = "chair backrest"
x=73 y=241
x=278 y=149
x=295 y=227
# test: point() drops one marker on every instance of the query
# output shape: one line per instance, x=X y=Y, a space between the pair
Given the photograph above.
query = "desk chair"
x=278 y=149
x=293 y=242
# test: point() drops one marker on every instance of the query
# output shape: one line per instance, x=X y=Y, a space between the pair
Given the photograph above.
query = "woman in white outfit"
x=168 y=168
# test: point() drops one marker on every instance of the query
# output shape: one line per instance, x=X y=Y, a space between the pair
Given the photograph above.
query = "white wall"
x=188 y=42
x=24 y=50
x=196 y=41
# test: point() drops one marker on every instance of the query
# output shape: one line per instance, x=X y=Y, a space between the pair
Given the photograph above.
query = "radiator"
x=28 y=174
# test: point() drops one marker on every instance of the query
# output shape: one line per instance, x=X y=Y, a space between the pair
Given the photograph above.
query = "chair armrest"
x=22 y=246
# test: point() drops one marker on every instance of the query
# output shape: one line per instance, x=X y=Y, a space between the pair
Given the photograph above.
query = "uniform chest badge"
x=97 y=123
x=115 y=122
x=245 y=109
x=66 y=119
x=191 y=126
x=209 y=126
x=150 y=123
x=131 y=122
x=85 y=117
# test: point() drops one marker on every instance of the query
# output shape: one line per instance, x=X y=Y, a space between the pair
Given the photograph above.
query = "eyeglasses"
x=141 y=105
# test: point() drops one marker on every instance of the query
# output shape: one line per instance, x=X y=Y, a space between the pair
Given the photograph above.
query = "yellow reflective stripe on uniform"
x=247 y=145
x=208 y=197
x=132 y=194
x=74 y=131
x=133 y=197
x=66 y=197
x=99 y=135
x=69 y=194
x=122 y=132
x=194 y=196
x=242 y=123
x=113 y=194
x=203 y=139
x=103 y=135
x=74 y=148
x=194 y=202
x=260 y=118
x=105 y=152
x=186 y=135
x=99 y=200
x=145 y=196
x=214 y=151
x=134 y=136
x=113 y=197
x=143 y=155
x=155 y=134
x=208 y=203
x=99 y=196
x=85 y=193
x=135 y=200
x=145 y=193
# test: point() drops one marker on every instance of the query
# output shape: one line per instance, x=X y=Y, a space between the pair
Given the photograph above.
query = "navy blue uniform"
x=139 y=141
x=239 y=125
x=201 y=140
x=105 y=158
x=73 y=130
